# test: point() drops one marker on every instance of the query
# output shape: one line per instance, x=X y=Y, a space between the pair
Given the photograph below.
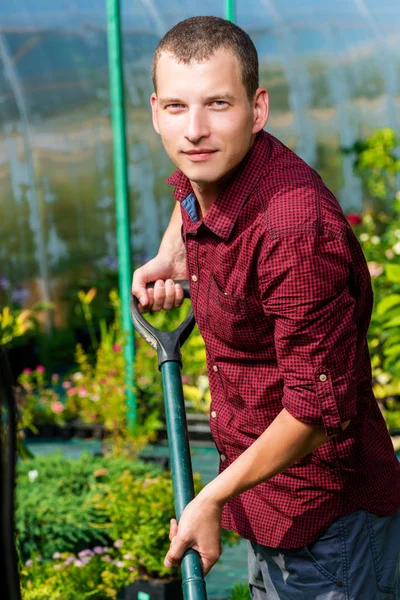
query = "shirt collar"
x=223 y=214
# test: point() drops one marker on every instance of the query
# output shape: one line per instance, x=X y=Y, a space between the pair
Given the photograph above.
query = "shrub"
x=59 y=501
x=240 y=592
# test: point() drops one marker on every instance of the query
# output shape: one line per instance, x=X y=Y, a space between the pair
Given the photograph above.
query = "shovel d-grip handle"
x=167 y=344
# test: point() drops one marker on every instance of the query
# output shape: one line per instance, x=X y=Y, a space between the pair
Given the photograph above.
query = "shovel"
x=167 y=344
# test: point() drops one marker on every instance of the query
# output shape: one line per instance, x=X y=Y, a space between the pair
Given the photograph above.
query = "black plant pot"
x=154 y=589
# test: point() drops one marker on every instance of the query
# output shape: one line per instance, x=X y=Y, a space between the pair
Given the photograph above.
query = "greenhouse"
x=84 y=202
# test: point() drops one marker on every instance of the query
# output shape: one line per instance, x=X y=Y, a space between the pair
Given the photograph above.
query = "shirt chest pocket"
x=238 y=322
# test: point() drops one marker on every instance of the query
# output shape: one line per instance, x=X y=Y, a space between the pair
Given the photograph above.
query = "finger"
x=178 y=295
x=173 y=529
x=176 y=551
x=139 y=288
x=159 y=295
x=150 y=302
x=169 y=301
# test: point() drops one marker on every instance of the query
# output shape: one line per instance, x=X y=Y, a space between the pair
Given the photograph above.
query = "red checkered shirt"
x=282 y=297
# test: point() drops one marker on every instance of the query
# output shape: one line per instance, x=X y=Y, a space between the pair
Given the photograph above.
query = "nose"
x=197 y=126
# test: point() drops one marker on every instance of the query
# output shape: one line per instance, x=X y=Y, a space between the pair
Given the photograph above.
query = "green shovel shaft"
x=182 y=477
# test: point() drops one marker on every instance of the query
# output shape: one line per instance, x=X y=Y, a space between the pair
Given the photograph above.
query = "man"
x=282 y=298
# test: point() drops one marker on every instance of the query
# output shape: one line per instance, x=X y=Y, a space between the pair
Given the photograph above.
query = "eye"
x=219 y=104
x=174 y=106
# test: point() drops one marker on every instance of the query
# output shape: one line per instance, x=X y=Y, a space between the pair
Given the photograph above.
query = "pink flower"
x=57 y=407
x=389 y=254
x=66 y=385
x=69 y=560
x=27 y=371
x=119 y=543
x=113 y=372
x=56 y=555
x=117 y=348
x=82 y=391
x=354 y=218
x=79 y=563
x=57 y=567
x=72 y=391
x=40 y=369
x=99 y=550
x=55 y=378
x=375 y=269
x=29 y=563
x=119 y=563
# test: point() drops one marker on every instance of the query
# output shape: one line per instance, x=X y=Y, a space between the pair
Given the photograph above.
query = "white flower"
x=383 y=378
x=32 y=475
x=76 y=376
x=364 y=237
x=375 y=239
x=396 y=248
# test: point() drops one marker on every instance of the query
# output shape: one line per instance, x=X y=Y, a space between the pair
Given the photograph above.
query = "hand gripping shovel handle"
x=167 y=345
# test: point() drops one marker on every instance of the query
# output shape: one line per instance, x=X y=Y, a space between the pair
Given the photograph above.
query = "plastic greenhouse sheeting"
x=332 y=71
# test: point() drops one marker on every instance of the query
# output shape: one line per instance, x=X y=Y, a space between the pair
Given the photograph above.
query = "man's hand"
x=199 y=528
x=169 y=264
x=165 y=294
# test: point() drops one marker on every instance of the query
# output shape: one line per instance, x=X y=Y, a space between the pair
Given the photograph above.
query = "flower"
x=69 y=560
x=56 y=555
x=117 y=347
x=396 y=248
x=29 y=563
x=364 y=237
x=27 y=371
x=66 y=385
x=55 y=378
x=131 y=569
x=95 y=397
x=101 y=473
x=57 y=407
x=82 y=392
x=99 y=549
x=389 y=254
x=375 y=269
x=354 y=218
x=57 y=567
x=383 y=378
x=375 y=239
x=40 y=369
x=79 y=563
x=76 y=376
x=119 y=543
x=106 y=558
x=72 y=391
x=119 y=563
x=128 y=556
x=32 y=475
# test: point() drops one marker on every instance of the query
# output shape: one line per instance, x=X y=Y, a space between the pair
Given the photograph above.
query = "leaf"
x=395 y=322
x=393 y=273
x=387 y=303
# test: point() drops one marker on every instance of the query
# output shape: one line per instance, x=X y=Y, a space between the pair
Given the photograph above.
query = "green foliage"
x=240 y=592
x=379 y=235
x=14 y=324
x=58 y=500
x=376 y=163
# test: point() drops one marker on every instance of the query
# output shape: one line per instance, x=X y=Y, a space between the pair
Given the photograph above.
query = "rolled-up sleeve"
x=305 y=286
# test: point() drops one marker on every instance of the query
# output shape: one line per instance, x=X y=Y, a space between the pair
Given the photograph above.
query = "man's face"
x=203 y=115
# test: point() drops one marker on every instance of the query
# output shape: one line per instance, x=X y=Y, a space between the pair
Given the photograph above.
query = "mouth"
x=200 y=154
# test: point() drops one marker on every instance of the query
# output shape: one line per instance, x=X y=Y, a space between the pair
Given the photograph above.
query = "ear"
x=261 y=109
x=154 y=105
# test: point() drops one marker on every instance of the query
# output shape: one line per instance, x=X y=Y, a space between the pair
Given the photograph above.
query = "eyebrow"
x=224 y=96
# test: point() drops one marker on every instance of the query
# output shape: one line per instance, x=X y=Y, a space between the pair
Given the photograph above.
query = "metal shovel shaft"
x=182 y=477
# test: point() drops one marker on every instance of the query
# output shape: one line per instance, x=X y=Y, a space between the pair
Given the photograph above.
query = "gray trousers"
x=357 y=558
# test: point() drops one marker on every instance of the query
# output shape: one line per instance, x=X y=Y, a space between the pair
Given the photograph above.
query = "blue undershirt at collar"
x=189 y=204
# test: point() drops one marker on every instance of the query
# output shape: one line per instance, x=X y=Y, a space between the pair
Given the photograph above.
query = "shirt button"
x=213 y=414
x=322 y=377
x=194 y=278
x=223 y=457
x=215 y=368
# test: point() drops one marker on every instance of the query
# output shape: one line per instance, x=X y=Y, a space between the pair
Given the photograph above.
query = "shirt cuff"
x=322 y=401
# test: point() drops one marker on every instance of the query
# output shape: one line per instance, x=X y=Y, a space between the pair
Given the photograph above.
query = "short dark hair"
x=198 y=38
